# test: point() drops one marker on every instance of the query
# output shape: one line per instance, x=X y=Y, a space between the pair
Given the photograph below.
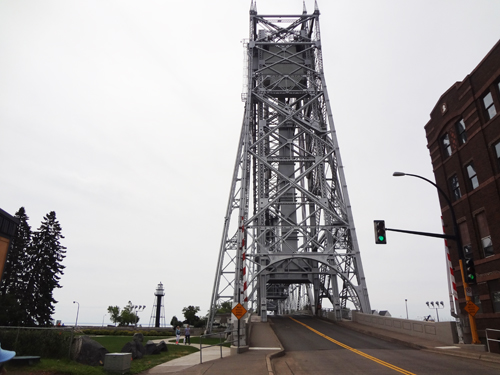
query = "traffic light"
x=379 y=226
x=470 y=271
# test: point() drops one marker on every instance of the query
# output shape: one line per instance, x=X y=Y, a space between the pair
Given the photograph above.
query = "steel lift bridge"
x=289 y=239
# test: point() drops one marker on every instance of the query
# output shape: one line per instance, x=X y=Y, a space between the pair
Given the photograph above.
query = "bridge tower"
x=288 y=231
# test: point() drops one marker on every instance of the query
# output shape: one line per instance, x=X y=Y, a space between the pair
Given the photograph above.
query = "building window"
x=487 y=246
x=471 y=172
x=445 y=142
x=497 y=154
x=489 y=106
x=495 y=299
x=455 y=187
x=461 y=133
x=494 y=287
x=484 y=234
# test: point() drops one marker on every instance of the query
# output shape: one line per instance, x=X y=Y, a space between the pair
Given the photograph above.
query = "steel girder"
x=288 y=221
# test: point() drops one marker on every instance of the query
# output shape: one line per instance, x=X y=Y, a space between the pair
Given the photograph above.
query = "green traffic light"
x=381 y=238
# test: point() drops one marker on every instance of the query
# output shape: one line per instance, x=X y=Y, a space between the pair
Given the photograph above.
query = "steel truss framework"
x=288 y=240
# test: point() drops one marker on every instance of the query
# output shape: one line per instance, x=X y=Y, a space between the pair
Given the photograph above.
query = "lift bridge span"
x=288 y=240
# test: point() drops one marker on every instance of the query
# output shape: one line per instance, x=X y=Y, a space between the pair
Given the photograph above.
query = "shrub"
x=47 y=343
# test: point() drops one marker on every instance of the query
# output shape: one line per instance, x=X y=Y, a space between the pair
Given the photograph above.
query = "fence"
x=222 y=334
x=496 y=339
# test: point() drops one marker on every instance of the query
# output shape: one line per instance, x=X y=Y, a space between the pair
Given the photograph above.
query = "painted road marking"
x=386 y=364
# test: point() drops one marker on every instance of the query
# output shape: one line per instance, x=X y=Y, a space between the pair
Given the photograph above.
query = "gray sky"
x=124 y=116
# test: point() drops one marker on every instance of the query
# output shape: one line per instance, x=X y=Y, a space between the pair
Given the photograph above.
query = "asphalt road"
x=316 y=347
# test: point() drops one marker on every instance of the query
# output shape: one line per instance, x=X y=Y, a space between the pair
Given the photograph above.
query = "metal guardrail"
x=488 y=339
x=220 y=334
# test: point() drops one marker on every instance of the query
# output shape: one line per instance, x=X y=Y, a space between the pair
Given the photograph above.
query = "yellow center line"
x=395 y=368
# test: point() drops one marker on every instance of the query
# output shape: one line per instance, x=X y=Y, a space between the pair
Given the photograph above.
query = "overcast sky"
x=123 y=117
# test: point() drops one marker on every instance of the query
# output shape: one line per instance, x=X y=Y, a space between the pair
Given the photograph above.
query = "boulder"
x=135 y=348
x=152 y=348
x=87 y=351
x=139 y=337
x=163 y=346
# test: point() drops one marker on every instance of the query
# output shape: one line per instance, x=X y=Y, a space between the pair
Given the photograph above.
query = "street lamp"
x=406 y=303
x=77 y=311
x=458 y=240
x=436 y=307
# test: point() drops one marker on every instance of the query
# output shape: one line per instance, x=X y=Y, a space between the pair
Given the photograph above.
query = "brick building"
x=463 y=137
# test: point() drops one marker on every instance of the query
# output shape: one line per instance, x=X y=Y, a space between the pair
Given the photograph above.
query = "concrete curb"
x=271 y=356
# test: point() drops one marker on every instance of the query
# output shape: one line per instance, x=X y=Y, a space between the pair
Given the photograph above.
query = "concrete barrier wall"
x=443 y=331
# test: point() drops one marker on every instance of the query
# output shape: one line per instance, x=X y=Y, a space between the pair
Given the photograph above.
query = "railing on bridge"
x=225 y=334
x=496 y=339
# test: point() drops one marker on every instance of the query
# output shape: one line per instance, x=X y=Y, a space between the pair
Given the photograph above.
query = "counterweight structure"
x=288 y=240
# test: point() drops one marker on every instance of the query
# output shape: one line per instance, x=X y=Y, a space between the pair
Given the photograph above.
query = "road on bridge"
x=315 y=347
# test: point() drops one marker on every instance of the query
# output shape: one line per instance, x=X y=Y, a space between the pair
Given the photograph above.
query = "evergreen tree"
x=13 y=295
x=45 y=269
x=12 y=280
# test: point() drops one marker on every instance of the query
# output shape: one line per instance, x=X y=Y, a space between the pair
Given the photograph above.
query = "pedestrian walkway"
x=263 y=344
x=190 y=360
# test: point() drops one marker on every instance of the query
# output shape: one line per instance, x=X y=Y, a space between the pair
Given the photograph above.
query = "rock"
x=87 y=351
x=152 y=348
x=135 y=348
x=163 y=346
x=138 y=337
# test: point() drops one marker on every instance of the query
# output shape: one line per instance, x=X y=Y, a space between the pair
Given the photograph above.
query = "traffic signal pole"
x=456 y=237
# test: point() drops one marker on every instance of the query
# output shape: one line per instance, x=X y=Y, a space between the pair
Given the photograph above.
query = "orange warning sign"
x=471 y=308
x=239 y=311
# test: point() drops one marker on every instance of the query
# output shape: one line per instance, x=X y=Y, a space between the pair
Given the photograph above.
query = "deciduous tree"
x=190 y=314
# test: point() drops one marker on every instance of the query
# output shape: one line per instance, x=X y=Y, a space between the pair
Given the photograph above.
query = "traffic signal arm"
x=450 y=237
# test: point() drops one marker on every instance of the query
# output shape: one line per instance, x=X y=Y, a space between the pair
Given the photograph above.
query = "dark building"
x=463 y=137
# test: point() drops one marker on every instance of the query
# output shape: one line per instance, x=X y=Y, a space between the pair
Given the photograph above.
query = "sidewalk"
x=263 y=344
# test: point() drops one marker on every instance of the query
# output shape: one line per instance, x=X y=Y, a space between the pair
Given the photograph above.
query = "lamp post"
x=77 y=311
x=406 y=304
x=458 y=240
x=435 y=307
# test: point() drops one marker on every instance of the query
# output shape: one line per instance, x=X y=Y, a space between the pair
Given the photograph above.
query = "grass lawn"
x=113 y=344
